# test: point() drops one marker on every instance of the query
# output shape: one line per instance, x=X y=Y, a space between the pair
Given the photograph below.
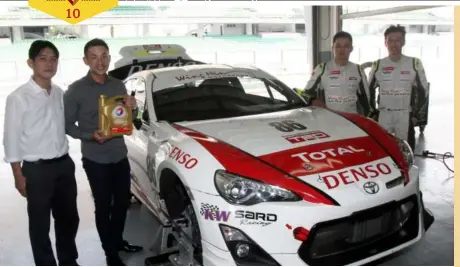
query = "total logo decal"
x=332 y=152
x=119 y=112
x=182 y=157
x=214 y=213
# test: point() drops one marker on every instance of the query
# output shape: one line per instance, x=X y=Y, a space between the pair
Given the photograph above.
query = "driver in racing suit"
x=339 y=84
x=403 y=87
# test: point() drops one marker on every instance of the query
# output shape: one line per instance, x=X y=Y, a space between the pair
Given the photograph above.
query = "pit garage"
x=287 y=43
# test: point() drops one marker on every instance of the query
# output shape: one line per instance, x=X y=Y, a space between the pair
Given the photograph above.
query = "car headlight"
x=243 y=191
x=407 y=151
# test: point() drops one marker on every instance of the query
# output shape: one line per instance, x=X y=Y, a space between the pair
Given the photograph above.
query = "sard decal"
x=255 y=218
x=182 y=157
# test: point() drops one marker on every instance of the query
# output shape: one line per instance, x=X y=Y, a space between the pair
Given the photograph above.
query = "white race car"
x=262 y=177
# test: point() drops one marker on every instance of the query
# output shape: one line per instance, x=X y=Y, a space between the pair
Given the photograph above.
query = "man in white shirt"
x=34 y=136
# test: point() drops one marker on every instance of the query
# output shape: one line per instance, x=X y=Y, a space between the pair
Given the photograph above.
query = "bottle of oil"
x=115 y=118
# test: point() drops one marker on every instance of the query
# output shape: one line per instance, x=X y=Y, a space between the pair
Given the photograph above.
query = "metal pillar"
x=325 y=22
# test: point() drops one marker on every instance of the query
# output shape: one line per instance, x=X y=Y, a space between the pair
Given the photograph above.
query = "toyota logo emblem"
x=371 y=188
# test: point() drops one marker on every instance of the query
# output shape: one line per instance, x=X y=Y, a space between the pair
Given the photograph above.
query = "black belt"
x=48 y=161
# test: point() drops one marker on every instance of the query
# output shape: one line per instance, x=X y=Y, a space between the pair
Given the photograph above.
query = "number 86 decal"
x=287 y=126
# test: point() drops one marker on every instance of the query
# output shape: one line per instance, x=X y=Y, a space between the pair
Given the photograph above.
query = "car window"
x=223 y=98
x=138 y=85
x=259 y=87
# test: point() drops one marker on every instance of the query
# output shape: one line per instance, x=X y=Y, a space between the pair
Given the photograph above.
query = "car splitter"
x=176 y=247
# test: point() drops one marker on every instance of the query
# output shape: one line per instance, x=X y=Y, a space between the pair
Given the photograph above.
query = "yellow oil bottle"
x=115 y=118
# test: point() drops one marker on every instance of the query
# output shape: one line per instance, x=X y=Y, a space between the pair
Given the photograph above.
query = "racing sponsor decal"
x=394 y=92
x=183 y=157
x=405 y=72
x=387 y=70
x=255 y=218
x=355 y=174
x=213 y=213
x=341 y=99
x=334 y=72
x=386 y=142
x=151 y=170
x=212 y=75
x=158 y=65
x=327 y=156
x=327 y=153
x=307 y=136
x=352 y=78
x=246 y=165
x=287 y=126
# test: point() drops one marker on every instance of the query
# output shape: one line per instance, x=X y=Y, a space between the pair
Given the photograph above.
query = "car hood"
x=318 y=146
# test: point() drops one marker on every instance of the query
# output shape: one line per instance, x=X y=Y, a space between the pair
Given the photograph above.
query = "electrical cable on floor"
x=439 y=157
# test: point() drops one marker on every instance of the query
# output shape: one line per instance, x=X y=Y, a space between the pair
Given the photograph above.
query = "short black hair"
x=397 y=28
x=95 y=42
x=37 y=47
x=342 y=34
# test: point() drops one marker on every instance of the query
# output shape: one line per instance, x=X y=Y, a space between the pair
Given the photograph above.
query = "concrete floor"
x=437 y=183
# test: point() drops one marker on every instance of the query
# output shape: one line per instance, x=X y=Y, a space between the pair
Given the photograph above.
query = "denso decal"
x=136 y=68
x=405 y=72
x=327 y=153
x=213 y=213
x=182 y=157
x=354 y=175
x=335 y=72
x=255 y=218
x=307 y=136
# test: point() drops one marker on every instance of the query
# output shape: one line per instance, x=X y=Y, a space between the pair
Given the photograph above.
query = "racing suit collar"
x=337 y=66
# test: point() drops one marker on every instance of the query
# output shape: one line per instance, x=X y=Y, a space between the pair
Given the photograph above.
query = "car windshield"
x=223 y=98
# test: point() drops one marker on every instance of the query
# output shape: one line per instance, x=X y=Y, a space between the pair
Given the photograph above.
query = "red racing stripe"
x=240 y=163
x=386 y=140
x=327 y=156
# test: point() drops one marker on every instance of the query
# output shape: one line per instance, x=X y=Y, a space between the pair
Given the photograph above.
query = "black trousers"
x=51 y=188
x=110 y=185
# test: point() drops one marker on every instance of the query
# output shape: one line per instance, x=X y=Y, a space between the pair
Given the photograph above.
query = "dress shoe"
x=127 y=247
x=114 y=261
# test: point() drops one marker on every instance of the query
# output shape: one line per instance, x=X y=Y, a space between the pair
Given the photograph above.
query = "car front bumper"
x=272 y=228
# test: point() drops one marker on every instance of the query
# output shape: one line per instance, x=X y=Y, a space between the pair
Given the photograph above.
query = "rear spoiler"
x=145 y=57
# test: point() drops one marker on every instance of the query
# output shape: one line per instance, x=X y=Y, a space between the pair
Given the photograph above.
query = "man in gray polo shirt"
x=104 y=158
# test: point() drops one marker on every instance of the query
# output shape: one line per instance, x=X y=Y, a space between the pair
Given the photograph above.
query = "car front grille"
x=363 y=234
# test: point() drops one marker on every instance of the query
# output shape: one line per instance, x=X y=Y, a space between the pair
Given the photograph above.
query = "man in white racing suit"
x=403 y=87
x=339 y=84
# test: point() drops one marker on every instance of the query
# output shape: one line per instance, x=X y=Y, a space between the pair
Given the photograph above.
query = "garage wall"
x=266 y=27
x=234 y=29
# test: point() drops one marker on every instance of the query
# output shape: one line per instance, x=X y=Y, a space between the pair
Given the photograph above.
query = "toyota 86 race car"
x=261 y=177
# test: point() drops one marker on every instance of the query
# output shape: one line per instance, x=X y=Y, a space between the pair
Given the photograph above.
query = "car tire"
x=189 y=213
